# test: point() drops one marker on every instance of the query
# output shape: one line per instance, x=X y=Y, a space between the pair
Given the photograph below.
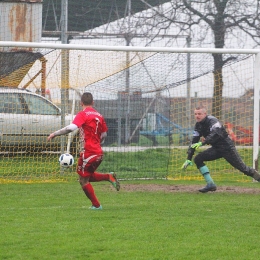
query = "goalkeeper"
x=214 y=134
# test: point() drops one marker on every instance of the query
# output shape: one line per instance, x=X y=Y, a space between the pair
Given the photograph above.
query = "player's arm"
x=191 y=150
x=63 y=131
x=103 y=131
x=102 y=137
x=195 y=139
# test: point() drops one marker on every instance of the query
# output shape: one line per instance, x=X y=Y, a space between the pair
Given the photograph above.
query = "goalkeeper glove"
x=186 y=164
x=196 y=146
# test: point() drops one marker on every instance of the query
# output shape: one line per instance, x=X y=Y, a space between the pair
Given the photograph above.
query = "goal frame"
x=256 y=52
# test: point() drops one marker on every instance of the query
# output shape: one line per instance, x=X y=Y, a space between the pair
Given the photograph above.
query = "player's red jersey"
x=91 y=124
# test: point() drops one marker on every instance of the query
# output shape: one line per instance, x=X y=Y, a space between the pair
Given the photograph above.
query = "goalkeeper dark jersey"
x=214 y=133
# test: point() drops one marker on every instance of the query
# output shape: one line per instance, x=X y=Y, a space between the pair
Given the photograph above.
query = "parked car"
x=26 y=119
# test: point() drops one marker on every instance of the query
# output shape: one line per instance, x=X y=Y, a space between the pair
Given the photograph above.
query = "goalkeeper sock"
x=205 y=172
x=96 y=176
x=89 y=191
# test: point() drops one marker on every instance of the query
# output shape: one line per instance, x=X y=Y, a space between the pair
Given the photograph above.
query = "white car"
x=26 y=120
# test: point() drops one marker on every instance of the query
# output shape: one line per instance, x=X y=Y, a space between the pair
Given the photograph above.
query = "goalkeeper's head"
x=200 y=113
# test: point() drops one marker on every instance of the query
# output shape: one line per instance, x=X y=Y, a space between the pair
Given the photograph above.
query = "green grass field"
x=52 y=221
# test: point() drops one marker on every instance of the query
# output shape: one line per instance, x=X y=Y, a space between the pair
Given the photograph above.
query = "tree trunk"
x=217 y=96
x=218 y=86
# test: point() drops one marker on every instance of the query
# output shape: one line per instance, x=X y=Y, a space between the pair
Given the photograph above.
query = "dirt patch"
x=186 y=188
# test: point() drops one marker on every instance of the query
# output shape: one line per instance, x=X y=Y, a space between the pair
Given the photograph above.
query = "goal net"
x=147 y=97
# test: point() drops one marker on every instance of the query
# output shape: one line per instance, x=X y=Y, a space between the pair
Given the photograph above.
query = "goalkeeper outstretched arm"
x=188 y=161
x=191 y=150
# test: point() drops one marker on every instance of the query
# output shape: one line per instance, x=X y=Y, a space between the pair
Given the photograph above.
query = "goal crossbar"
x=125 y=48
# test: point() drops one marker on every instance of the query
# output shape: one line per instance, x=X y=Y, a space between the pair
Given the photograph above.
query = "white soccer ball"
x=66 y=160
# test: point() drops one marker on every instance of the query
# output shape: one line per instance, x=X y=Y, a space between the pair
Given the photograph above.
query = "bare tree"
x=218 y=20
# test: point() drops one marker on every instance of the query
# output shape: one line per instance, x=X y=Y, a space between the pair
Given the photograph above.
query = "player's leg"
x=207 y=155
x=84 y=176
x=111 y=177
x=232 y=156
x=89 y=192
x=93 y=164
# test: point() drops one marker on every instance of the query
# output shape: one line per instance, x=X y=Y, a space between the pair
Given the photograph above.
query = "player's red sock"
x=96 y=176
x=89 y=191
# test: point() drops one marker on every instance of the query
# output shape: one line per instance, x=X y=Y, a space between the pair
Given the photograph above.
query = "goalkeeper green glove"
x=186 y=164
x=196 y=146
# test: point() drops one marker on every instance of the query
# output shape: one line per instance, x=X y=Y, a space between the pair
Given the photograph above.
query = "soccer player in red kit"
x=93 y=129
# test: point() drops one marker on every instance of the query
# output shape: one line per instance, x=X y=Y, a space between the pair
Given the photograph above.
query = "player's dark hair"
x=87 y=99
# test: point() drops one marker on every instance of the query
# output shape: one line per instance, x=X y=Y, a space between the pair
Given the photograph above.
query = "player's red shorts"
x=87 y=164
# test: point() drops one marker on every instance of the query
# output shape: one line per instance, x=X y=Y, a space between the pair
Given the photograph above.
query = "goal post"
x=256 y=110
x=146 y=94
